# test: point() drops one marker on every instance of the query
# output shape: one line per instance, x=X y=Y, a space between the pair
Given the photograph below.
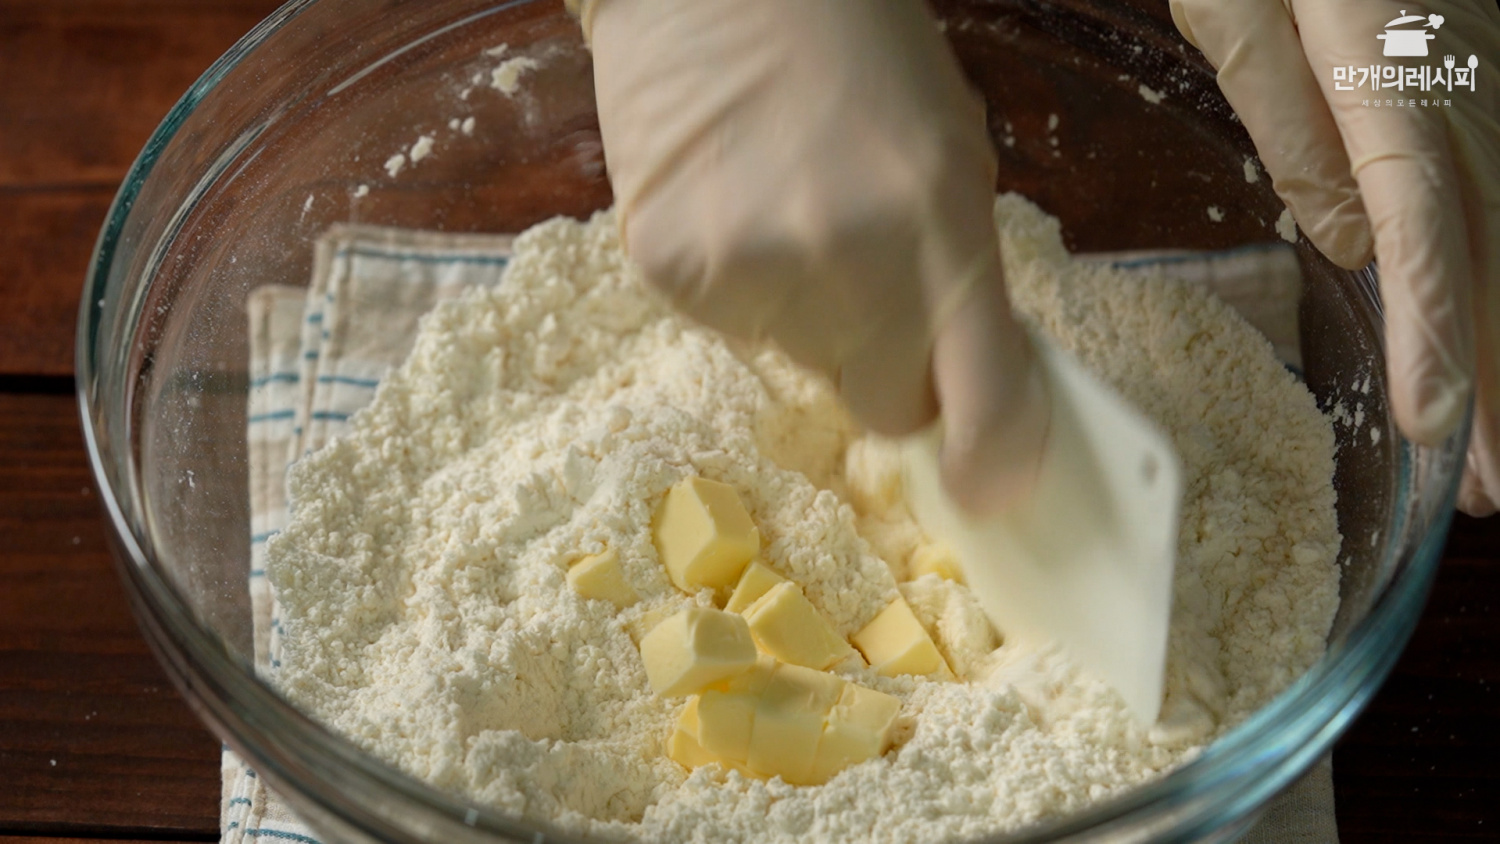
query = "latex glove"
x=1429 y=178
x=818 y=172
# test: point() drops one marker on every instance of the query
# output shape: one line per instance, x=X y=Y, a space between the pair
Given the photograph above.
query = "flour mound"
x=427 y=618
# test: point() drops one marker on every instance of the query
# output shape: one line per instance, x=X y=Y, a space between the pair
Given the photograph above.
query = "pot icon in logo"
x=1409 y=42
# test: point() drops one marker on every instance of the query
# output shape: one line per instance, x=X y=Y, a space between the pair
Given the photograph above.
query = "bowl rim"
x=247 y=712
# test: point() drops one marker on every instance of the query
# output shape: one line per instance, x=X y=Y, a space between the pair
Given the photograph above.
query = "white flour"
x=1286 y=226
x=506 y=78
x=427 y=617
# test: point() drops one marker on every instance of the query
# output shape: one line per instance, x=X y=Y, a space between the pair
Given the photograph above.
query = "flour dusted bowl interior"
x=1100 y=114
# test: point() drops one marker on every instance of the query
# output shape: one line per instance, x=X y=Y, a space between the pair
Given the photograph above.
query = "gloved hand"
x=1424 y=181
x=818 y=172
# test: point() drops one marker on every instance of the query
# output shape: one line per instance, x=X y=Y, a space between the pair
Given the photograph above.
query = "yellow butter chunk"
x=695 y=648
x=756 y=581
x=859 y=728
x=638 y=625
x=896 y=643
x=936 y=559
x=724 y=724
x=682 y=745
x=786 y=625
x=726 y=712
x=704 y=535
x=789 y=722
x=599 y=577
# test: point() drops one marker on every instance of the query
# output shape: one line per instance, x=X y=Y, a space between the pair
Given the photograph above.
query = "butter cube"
x=786 y=625
x=896 y=643
x=756 y=581
x=704 y=535
x=859 y=728
x=789 y=722
x=599 y=577
x=695 y=648
x=726 y=712
x=682 y=745
x=752 y=681
x=724 y=724
x=639 y=625
x=936 y=559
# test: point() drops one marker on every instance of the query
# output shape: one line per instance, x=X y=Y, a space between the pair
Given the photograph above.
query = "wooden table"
x=95 y=744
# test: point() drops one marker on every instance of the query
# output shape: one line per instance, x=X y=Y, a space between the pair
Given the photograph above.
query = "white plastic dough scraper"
x=1086 y=559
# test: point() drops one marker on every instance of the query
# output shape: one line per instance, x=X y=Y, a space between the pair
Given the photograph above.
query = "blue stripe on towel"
x=286 y=377
x=285 y=836
x=274 y=414
x=494 y=260
x=350 y=380
x=1199 y=257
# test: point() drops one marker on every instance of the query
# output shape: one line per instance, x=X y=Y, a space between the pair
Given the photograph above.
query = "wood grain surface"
x=1420 y=764
x=82 y=85
x=40 y=285
x=93 y=739
x=95 y=744
x=92 y=735
x=43 y=839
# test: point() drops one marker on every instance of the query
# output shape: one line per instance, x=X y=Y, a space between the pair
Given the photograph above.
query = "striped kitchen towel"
x=317 y=355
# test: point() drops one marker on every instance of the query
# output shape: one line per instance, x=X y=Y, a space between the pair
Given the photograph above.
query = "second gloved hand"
x=818 y=172
x=1421 y=184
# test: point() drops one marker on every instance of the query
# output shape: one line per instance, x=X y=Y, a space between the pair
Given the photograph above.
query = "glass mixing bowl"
x=270 y=147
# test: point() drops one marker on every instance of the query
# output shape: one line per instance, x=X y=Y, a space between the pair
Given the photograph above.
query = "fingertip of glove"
x=1430 y=406
x=1473 y=500
x=1180 y=19
x=1336 y=222
x=1351 y=246
x=583 y=12
x=1479 y=491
